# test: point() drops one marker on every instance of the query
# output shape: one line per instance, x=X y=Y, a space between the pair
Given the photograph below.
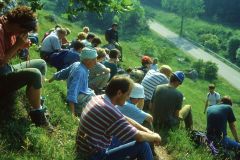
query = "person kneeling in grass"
x=78 y=93
x=101 y=120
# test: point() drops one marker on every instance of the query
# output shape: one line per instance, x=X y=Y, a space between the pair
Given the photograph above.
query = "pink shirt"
x=6 y=40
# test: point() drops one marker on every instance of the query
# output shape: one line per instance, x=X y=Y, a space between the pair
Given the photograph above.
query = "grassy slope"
x=36 y=144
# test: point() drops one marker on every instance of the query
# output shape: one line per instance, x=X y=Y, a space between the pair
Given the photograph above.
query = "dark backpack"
x=200 y=138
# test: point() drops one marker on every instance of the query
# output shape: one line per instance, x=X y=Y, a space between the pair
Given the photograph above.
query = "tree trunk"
x=181 y=29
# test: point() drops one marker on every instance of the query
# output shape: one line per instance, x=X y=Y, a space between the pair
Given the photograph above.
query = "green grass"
x=19 y=139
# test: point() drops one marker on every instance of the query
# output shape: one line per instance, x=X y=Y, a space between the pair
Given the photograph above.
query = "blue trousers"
x=132 y=150
x=230 y=144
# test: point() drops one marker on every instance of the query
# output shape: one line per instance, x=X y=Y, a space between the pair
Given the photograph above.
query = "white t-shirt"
x=213 y=98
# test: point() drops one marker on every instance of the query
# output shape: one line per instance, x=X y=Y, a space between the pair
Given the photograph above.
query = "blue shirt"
x=132 y=111
x=77 y=80
x=217 y=118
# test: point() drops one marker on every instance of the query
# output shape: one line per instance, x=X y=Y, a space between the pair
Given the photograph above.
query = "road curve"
x=225 y=71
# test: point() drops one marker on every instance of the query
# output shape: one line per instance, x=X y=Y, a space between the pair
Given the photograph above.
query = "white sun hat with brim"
x=137 y=91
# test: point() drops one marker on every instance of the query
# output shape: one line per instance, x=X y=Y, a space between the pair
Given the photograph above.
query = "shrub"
x=233 y=45
x=210 y=41
x=210 y=70
x=206 y=70
x=238 y=57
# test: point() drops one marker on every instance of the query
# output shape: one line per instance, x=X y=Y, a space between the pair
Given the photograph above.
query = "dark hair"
x=114 y=53
x=96 y=41
x=114 y=24
x=78 y=45
x=23 y=16
x=118 y=83
x=174 y=78
x=226 y=100
x=211 y=86
x=90 y=36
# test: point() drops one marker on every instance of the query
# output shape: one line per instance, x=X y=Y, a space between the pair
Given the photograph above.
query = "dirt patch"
x=162 y=153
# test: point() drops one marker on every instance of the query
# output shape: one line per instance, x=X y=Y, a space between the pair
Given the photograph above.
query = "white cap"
x=137 y=91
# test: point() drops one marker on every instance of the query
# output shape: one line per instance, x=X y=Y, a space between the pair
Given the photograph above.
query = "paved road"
x=228 y=73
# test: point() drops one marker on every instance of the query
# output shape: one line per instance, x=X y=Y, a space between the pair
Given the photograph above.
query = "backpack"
x=200 y=138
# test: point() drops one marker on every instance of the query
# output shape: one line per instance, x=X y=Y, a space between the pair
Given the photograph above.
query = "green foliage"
x=206 y=70
x=99 y=7
x=211 y=70
x=210 y=41
x=238 y=57
x=184 y=8
x=233 y=45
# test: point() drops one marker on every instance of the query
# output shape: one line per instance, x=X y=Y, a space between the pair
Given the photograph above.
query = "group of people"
x=118 y=112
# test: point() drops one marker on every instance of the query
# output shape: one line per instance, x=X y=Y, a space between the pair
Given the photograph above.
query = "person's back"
x=51 y=44
x=150 y=82
x=217 y=118
x=166 y=101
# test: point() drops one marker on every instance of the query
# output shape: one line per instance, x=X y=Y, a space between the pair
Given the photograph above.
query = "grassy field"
x=19 y=139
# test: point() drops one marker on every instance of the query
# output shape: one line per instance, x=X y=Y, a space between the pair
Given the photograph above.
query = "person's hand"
x=157 y=139
x=22 y=40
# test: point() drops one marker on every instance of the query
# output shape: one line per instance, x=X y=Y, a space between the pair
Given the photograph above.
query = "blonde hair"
x=166 y=69
x=82 y=36
x=86 y=29
x=101 y=53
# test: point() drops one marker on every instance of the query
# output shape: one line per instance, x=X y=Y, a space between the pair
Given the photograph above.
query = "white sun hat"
x=137 y=91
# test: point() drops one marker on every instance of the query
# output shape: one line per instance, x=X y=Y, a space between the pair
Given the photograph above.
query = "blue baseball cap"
x=180 y=76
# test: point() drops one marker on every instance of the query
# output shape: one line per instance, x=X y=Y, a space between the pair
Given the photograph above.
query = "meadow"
x=19 y=139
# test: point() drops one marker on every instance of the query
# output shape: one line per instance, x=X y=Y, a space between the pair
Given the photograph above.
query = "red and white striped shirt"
x=100 y=120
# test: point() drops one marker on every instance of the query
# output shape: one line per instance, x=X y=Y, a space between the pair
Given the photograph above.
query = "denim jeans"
x=132 y=150
x=230 y=144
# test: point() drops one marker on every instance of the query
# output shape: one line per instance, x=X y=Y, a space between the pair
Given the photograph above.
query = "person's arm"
x=22 y=39
x=137 y=125
x=149 y=118
x=149 y=137
x=233 y=129
x=177 y=113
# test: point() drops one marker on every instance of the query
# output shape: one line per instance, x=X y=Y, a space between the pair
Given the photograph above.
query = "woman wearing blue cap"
x=78 y=93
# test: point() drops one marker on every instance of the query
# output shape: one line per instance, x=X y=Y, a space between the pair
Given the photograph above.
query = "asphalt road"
x=225 y=71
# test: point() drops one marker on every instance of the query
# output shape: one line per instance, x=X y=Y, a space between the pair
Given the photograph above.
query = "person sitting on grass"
x=78 y=93
x=112 y=62
x=218 y=116
x=167 y=104
x=96 y=42
x=101 y=120
x=146 y=63
x=154 y=65
x=14 y=29
x=52 y=44
x=152 y=79
x=99 y=74
x=87 y=42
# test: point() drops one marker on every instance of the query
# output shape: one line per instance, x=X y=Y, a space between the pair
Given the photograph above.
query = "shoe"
x=39 y=118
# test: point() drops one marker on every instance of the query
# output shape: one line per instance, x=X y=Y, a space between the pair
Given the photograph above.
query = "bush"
x=210 y=41
x=206 y=70
x=238 y=57
x=233 y=45
x=211 y=70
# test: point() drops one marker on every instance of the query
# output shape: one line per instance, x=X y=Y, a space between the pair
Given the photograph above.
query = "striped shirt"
x=100 y=120
x=151 y=81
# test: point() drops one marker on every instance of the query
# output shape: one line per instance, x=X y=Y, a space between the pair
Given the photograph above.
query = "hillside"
x=19 y=139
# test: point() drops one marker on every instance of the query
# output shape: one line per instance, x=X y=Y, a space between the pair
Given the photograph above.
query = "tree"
x=233 y=45
x=184 y=8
